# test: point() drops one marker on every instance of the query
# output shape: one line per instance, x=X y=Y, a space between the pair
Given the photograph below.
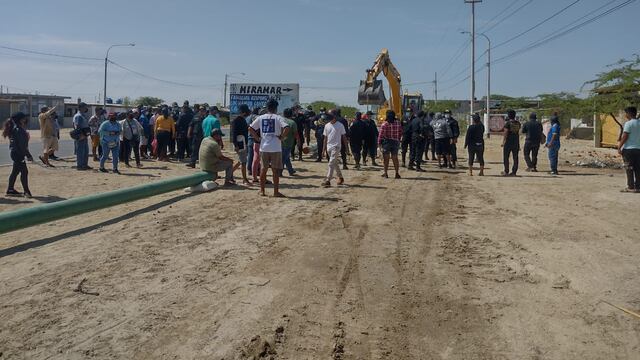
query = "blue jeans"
x=553 y=157
x=115 y=155
x=250 y=154
x=286 y=159
x=82 y=153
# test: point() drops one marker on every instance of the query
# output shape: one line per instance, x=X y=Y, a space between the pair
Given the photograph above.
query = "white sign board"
x=256 y=95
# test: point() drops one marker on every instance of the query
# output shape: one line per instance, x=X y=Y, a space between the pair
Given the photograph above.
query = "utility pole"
x=435 y=83
x=488 y=112
x=473 y=50
x=106 y=61
x=224 y=96
x=226 y=80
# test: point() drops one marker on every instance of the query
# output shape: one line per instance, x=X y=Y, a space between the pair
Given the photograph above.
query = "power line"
x=537 y=25
x=559 y=33
x=49 y=54
x=553 y=36
x=455 y=57
x=498 y=15
x=216 y=86
x=508 y=16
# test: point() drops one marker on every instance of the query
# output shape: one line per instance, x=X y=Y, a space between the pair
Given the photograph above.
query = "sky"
x=324 y=45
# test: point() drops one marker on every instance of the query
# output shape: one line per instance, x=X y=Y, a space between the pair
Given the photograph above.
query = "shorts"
x=443 y=146
x=390 y=146
x=242 y=156
x=95 y=140
x=50 y=143
x=271 y=160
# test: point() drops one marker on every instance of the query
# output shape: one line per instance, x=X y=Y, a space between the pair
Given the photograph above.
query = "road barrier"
x=23 y=218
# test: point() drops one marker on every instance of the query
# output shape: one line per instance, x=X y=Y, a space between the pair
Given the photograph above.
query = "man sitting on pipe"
x=212 y=160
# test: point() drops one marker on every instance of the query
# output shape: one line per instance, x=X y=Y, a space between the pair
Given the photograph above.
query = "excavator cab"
x=371 y=95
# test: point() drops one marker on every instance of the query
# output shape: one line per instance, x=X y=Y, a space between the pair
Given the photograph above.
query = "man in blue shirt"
x=211 y=121
x=81 y=123
x=629 y=148
x=553 y=144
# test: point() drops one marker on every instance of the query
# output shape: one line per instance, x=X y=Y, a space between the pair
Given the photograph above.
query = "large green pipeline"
x=22 y=218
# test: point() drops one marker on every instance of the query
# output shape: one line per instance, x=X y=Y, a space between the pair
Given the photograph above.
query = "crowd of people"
x=262 y=140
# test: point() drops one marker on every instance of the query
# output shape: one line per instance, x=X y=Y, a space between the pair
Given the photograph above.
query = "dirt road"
x=437 y=265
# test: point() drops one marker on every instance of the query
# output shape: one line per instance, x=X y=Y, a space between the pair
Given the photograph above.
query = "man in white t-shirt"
x=335 y=136
x=269 y=129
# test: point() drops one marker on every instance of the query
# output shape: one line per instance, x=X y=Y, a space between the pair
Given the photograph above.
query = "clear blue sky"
x=325 y=45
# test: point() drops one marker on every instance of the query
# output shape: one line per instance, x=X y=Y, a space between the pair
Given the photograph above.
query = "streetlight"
x=106 y=61
x=226 y=78
x=488 y=112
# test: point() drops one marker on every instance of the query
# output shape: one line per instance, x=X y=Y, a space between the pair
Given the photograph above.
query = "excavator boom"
x=371 y=91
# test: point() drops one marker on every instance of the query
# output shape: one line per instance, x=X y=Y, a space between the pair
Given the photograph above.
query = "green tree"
x=567 y=105
x=316 y=105
x=441 y=105
x=148 y=101
x=126 y=101
x=617 y=88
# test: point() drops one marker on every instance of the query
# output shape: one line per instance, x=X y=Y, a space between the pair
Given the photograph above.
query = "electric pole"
x=473 y=51
x=435 y=83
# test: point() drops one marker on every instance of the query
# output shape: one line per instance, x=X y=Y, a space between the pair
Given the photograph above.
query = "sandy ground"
x=437 y=265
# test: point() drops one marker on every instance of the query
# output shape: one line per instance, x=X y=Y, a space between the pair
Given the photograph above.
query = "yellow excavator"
x=371 y=91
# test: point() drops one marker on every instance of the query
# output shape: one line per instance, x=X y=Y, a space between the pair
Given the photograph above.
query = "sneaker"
x=326 y=184
x=13 y=192
x=115 y=171
x=344 y=167
x=191 y=165
x=28 y=195
x=398 y=176
x=104 y=170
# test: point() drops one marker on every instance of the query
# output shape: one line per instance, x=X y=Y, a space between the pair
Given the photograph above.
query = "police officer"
x=318 y=124
x=511 y=143
x=419 y=129
x=406 y=134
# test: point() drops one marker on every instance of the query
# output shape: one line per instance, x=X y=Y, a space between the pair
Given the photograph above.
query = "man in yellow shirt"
x=165 y=130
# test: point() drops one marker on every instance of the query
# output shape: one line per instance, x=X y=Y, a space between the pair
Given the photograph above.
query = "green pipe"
x=22 y=218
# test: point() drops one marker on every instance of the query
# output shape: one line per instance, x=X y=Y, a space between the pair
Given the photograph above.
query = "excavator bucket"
x=371 y=95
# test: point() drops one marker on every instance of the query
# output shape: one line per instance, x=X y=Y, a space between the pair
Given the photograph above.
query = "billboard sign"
x=256 y=95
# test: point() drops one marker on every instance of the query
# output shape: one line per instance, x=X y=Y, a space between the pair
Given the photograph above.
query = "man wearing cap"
x=239 y=137
x=212 y=160
x=273 y=128
x=532 y=130
x=47 y=134
x=81 y=124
